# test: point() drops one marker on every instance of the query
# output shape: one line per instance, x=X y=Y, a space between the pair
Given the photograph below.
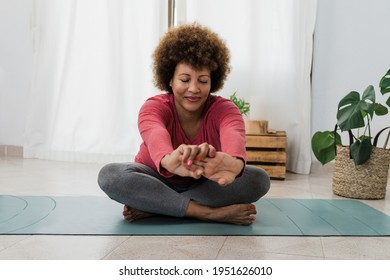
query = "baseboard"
x=11 y=151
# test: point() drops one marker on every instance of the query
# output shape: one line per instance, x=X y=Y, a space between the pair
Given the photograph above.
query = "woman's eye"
x=185 y=81
x=203 y=82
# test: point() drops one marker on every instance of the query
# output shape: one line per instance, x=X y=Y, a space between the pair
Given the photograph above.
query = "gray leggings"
x=140 y=187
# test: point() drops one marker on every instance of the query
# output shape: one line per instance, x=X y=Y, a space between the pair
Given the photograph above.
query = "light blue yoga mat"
x=102 y=216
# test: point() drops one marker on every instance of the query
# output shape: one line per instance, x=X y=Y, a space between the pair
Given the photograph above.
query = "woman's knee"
x=107 y=176
x=259 y=180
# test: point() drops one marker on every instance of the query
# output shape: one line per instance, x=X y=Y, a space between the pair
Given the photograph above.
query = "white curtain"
x=91 y=73
x=271 y=47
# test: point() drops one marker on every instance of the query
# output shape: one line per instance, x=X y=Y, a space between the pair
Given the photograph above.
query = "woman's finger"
x=203 y=152
x=212 y=151
x=189 y=154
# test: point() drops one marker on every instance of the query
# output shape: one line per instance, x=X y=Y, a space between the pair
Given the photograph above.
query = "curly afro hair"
x=195 y=45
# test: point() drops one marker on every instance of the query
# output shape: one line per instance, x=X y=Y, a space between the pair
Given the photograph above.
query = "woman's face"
x=191 y=87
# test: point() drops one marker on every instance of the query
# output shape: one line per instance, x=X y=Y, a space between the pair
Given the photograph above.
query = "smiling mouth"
x=192 y=98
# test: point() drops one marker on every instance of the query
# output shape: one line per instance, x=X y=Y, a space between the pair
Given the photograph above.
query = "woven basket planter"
x=366 y=181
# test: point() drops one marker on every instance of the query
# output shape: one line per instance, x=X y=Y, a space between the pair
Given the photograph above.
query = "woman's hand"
x=180 y=161
x=222 y=168
x=203 y=160
x=190 y=153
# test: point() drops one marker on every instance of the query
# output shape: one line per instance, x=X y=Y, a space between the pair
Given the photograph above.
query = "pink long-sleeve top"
x=222 y=126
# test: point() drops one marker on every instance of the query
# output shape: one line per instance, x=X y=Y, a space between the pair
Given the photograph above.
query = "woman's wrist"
x=164 y=163
x=239 y=165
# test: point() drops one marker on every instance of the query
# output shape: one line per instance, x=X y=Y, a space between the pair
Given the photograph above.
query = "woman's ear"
x=170 y=83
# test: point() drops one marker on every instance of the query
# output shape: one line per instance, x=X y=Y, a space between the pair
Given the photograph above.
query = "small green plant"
x=353 y=114
x=242 y=105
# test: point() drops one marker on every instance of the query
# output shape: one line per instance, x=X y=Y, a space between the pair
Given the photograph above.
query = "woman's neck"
x=190 y=122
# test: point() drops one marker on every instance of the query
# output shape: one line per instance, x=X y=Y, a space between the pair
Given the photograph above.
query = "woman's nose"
x=193 y=87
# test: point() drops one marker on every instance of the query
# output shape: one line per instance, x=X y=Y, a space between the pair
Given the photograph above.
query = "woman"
x=192 y=159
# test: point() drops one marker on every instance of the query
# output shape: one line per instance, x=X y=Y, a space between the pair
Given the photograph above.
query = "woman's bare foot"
x=239 y=214
x=131 y=214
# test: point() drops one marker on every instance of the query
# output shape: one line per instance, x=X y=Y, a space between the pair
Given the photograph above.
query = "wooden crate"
x=268 y=151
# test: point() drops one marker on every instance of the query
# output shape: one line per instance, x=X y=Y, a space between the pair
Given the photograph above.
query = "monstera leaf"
x=361 y=150
x=352 y=109
x=381 y=110
x=323 y=145
x=384 y=85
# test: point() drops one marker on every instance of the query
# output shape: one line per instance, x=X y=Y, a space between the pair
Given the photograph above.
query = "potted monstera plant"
x=361 y=168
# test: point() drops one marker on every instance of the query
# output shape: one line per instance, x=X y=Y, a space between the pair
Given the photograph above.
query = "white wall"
x=351 y=51
x=15 y=68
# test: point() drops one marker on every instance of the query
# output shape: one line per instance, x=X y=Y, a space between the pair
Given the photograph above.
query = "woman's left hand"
x=222 y=168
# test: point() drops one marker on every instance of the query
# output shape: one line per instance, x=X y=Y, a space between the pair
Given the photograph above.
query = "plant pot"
x=365 y=181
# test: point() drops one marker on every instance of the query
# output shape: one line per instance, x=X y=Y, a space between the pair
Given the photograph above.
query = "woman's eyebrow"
x=189 y=75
